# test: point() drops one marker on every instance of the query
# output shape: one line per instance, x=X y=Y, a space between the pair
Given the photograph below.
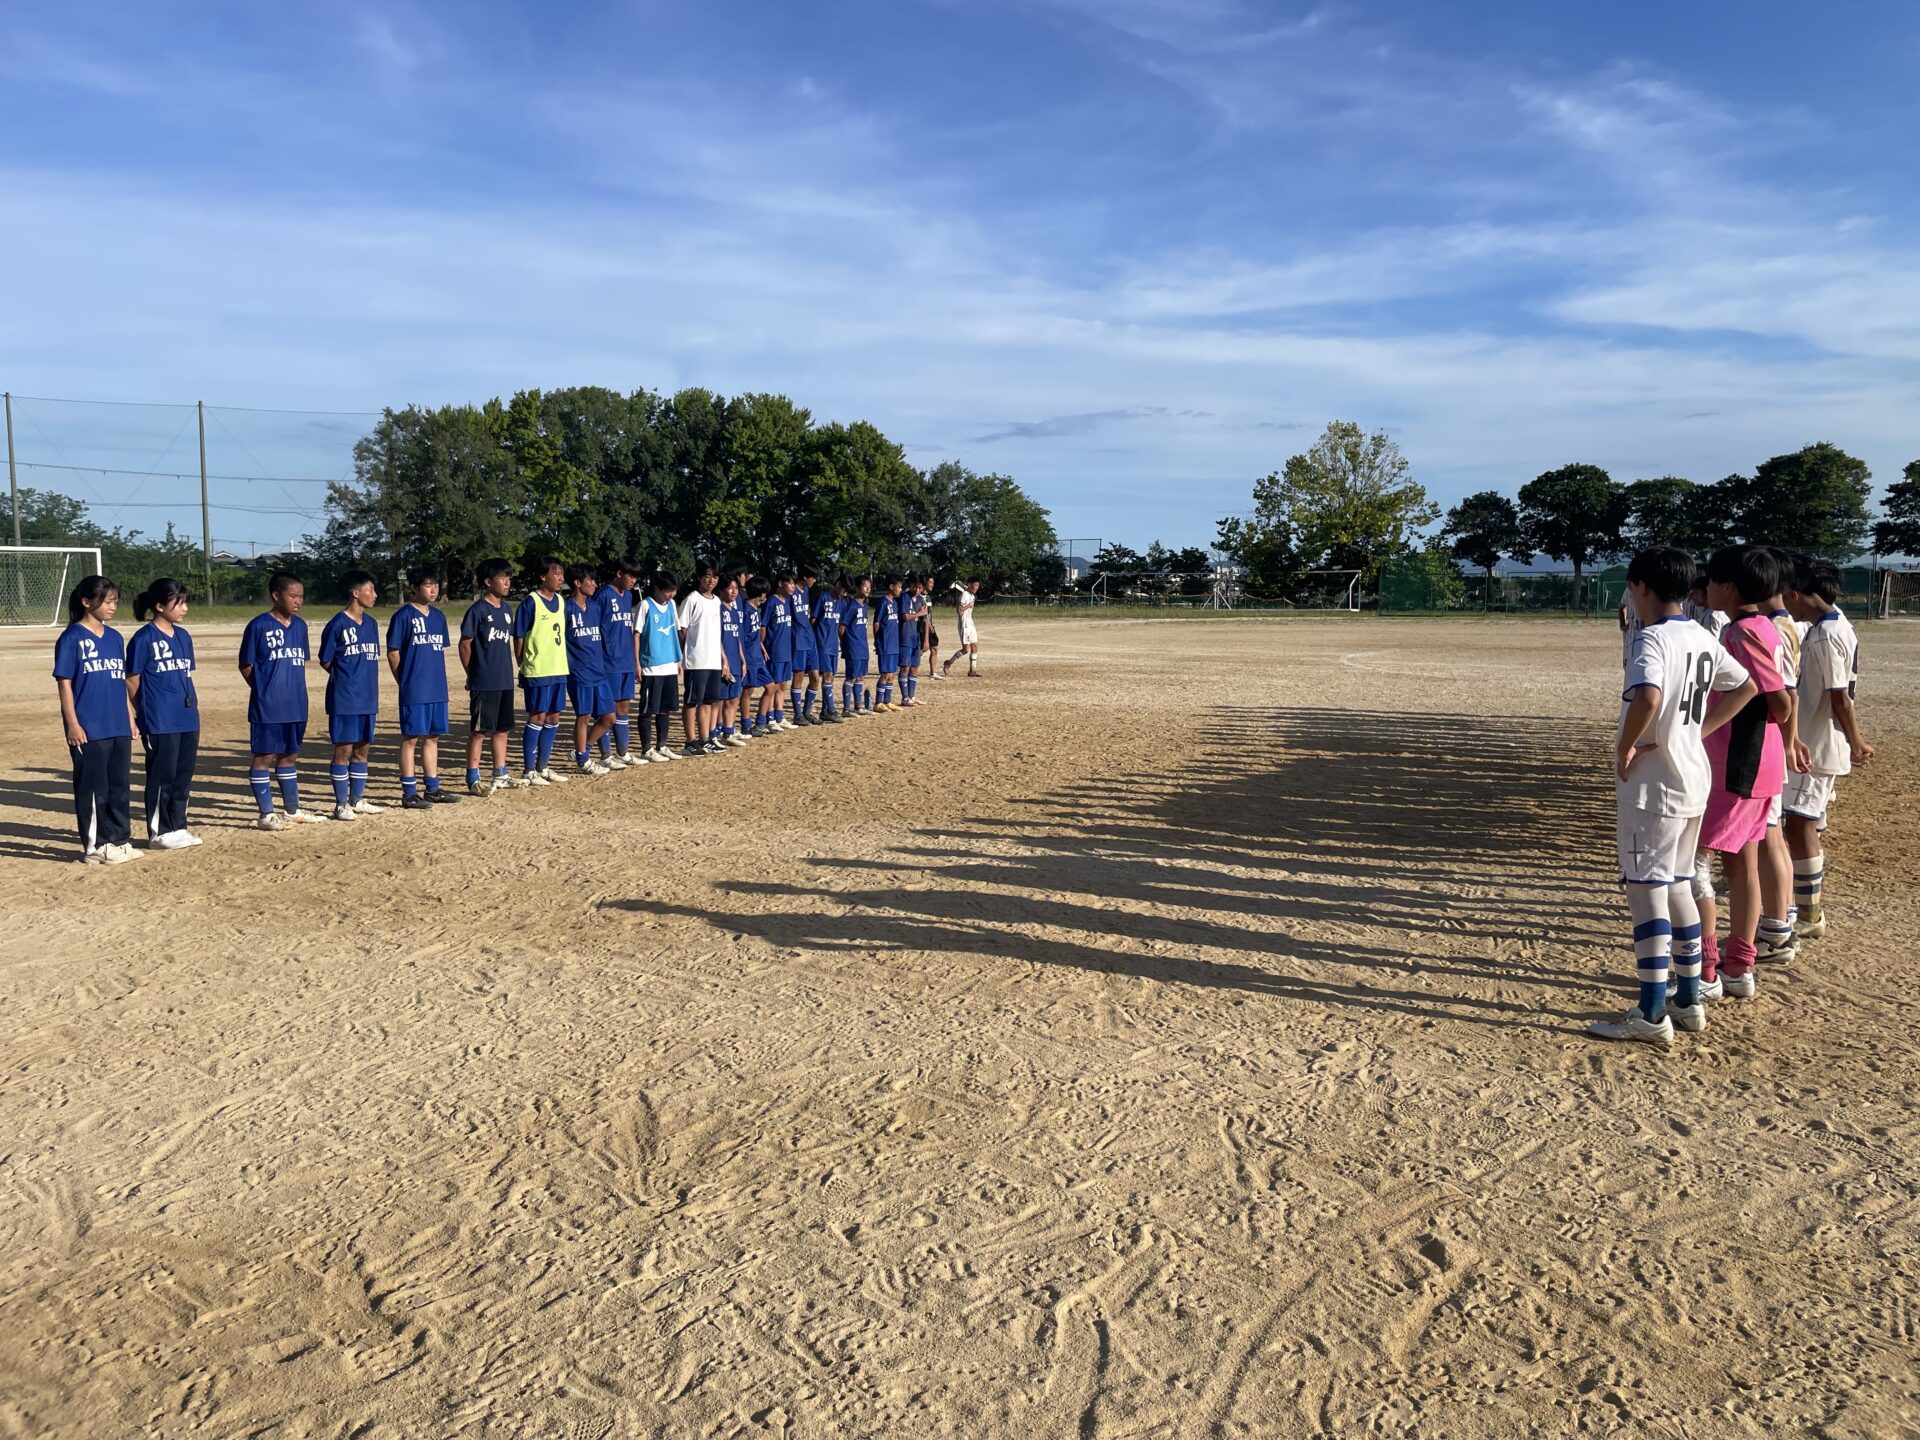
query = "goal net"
x=1899 y=593
x=1329 y=590
x=36 y=579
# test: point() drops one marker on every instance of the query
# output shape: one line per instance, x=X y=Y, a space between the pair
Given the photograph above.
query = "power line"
x=188 y=405
x=190 y=474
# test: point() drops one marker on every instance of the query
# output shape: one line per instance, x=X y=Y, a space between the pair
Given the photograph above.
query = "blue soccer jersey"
x=421 y=638
x=489 y=625
x=907 y=636
x=586 y=646
x=733 y=643
x=853 y=616
x=350 y=649
x=97 y=667
x=779 y=628
x=616 y=629
x=886 y=618
x=277 y=651
x=826 y=622
x=166 y=704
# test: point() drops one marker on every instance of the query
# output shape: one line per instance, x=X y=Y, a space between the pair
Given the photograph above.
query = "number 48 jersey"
x=1670 y=773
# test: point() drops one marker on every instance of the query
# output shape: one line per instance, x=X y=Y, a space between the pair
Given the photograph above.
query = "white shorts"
x=1657 y=849
x=1773 y=814
x=1808 y=796
x=968 y=635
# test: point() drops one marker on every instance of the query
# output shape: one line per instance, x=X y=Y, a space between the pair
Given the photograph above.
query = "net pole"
x=206 y=522
x=13 y=495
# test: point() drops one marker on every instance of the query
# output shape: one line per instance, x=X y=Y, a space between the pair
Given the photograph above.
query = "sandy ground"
x=1176 y=1033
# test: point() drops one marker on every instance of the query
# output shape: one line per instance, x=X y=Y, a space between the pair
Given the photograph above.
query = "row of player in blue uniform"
x=740 y=657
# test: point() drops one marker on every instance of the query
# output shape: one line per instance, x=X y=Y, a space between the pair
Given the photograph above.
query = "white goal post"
x=36 y=579
x=1899 y=594
x=1330 y=590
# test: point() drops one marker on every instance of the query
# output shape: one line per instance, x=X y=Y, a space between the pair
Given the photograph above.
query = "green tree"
x=1350 y=500
x=1483 y=529
x=1815 y=499
x=1270 y=564
x=1574 y=513
x=1668 y=510
x=1898 y=532
x=994 y=531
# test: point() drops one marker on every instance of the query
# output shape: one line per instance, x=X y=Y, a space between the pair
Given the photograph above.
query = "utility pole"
x=13 y=474
x=206 y=522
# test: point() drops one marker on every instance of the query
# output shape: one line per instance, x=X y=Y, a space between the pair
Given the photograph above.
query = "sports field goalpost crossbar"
x=26 y=596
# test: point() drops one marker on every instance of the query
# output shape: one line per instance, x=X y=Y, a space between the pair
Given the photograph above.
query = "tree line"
x=594 y=475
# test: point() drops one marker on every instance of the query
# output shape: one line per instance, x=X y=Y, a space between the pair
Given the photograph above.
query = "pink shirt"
x=1747 y=753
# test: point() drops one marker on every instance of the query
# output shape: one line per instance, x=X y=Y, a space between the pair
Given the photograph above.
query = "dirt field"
x=1176 y=1033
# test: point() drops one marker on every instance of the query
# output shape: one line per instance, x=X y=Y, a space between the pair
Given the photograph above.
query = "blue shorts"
x=622 y=686
x=857 y=665
x=802 y=657
x=889 y=662
x=731 y=689
x=779 y=672
x=423 y=721
x=590 y=697
x=546 y=695
x=276 y=739
x=756 y=671
x=826 y=659
x=348 y=730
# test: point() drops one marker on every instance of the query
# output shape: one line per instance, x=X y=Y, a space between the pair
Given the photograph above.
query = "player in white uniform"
x=1829 y=728
x=963 y=599
x=1664 y=778
x=1773 y=939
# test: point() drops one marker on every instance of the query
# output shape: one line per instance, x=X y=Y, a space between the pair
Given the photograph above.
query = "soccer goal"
x=1329 y=590
x=1899 y=594
x=35 y=581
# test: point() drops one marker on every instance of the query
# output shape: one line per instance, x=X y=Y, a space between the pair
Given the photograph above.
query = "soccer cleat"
x=553 y=779
x=1813 y=922
x=344 y=812
x=1714 y=989
x=1691 y=1018
x=480 y=788
x=415 y=802
x=502 y=782
x=442 y=797
x=738 y=742
x=305 y=817
x=186 y=838
x=616 y=762
x=117 y=854
x=666 y=752
x=1634 y=1026
x=758 y=732
x=272 y=820
x=364 y=806
x=713 y=747
x=695 y=749
x=1779 y=954
x=534 y=777
x=591 y=767
x=1740 y=987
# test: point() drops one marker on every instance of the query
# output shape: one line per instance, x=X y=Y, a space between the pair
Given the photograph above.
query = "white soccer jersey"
x=1706 y=617
x=1670 y=774
x=1829 y=661
x=700 y=618
x=1792 y=632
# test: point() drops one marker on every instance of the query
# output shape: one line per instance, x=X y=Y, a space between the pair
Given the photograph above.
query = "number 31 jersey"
x=1670 y=774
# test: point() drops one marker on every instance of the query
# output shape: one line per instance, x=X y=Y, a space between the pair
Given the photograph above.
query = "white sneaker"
x=364 y=806
x=626 y=758
x=117 y=854
x=1812 y=927
x=1779 y=954
x=306 y=817
x=553 y=779
x=1691 y=1018
x=939 y=675
x=617 y=762
x=738 y=742
x=272 y=820
x=534 y=777
x=1634 y=1026
x=664 y=753
x=502 y=782
x=591 y=767
x=186 y=838
x=92 y=857
x=1714 y=989
x=1740 y=987
x=166 y=840
x=344 y=812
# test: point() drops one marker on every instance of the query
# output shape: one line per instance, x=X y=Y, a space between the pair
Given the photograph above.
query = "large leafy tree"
x=1898 y=532
x=1574 y=513
x=994 y=531
x=1350 y=501
x=1270 y=563
x=1668 y=510
x=1815 y=499
x=1484 y=529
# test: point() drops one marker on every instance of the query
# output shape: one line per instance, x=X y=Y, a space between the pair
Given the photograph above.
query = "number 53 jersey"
x=1670 y=773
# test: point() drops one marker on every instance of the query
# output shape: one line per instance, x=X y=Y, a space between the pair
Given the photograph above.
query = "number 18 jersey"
x=1670 y=773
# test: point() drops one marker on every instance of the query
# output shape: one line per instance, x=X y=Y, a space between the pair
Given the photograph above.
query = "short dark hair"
x=1819 y=577
x=757 y=587
x=418 y=575
x=1750 y=569
x=278 y=582
x=548 y=562
x=353 y=580
x=578 y=571
x=1667 y=572
x=662 y=580
x=705 y=568
x=628 y=567
x=1789 y=564
x=809 y=572
x=493 y=569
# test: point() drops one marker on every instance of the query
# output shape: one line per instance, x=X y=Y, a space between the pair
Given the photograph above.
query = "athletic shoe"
x=616 y=762
x=627 y=760
x=186 y=838
x=834 y=719
x=1634 y=1026
x=789 y=725
x=1812 y=923
x=1740 y=987
x=591 y=767
x=1714 y=989
x=758 y=732
x=713 y=747
x=167 y=840
x=939 y=675
x=503 y=782
x=92 y=857
x=666 y=753
x=364 y=806
x=442 y=797
x=305 y=817
x=695 y=749
x=800 y=720
x=272 y=820
x=1691 y=1018
x=416 y=802
x=738 y=742
x=344 y=812
x=480 y=788
x=534 y=777
x=117 y=854
x=553 y=779
x=1780 y=954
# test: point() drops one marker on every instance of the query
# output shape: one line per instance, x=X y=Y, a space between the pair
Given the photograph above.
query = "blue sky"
x=1134 y=253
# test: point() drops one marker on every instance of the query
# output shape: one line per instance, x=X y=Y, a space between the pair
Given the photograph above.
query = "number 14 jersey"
x=1670 y=773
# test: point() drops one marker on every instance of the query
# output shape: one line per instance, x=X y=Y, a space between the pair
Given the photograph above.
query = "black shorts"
x=660 y=694
x=492 y=711
x=703 y=687
x=933 y=638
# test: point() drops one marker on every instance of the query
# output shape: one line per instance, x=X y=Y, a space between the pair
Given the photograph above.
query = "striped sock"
x=1773 y=934
x=530 y=746
x=357 y=777
x=409 y=786
x=1652 y=946
x=1684 y=911
x=289 y=781
x=1808 y=876
x=342 y=784
x=622 y=736
x=549 y=737
x=261 y=783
